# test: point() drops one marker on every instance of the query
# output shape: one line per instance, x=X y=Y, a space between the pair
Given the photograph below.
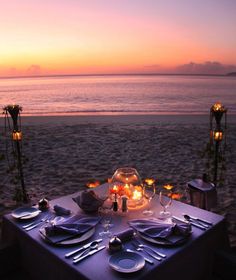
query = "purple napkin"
x=74 y=227
x=172 y=233
x=125 y=235
x=60 y=211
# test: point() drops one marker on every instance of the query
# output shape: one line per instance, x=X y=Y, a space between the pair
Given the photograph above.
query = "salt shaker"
x=124 y=207
x=115 y=205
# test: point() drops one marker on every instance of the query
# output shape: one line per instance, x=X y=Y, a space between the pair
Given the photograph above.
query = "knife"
x=146 y=259
x=192 y=223
x=80 y=249
x=89 y=254
x=201 y=220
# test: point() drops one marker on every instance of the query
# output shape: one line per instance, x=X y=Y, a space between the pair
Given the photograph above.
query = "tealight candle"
x=149 y=181
x=168 y=187
x=115 y=189
x=137 y=195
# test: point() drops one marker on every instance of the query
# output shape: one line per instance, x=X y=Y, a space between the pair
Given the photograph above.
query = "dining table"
x=191 y=259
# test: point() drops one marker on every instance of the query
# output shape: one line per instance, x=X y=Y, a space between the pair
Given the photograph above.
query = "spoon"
x=93 y=246
x=189 y=219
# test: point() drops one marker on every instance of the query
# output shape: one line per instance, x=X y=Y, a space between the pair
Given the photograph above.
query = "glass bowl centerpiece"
x=127 y=182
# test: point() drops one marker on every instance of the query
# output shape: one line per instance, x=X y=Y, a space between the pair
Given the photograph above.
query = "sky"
x=56 y=37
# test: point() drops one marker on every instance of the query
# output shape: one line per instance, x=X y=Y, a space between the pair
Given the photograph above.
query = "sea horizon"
x=117 y=74
x=119 y=94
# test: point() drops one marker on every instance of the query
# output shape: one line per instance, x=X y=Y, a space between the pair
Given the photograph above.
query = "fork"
x=146 y=259
x=35 y=224
x=140 y=245
x=149 y=253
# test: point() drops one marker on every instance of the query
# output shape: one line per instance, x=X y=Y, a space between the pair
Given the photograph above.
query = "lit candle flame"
x=137 y=195
x=168 y=187
x=149 y=181
x=93 y=184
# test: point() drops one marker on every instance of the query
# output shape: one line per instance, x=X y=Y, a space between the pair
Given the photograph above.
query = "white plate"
x=24 y=213
x=127 y=262
x=71 y=241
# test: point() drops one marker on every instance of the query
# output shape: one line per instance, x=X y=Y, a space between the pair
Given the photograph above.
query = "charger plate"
x=127 y=262
x=165 y=242
x=72 y=241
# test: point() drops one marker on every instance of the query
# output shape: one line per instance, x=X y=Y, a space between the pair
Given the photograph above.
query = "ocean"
x=119 y=94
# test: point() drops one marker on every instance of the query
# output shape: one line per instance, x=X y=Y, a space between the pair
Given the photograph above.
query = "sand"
x=65 y=152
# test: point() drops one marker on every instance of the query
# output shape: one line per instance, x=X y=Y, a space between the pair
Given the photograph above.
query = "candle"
x=115 y=189
x=149 y=181
x=93 y=184
x=137 y=195
x=168 y=187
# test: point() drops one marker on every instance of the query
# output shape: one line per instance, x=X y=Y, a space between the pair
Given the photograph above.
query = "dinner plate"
x=127 y=262
x=24 y=213
x=72 y=241
x=163 y=241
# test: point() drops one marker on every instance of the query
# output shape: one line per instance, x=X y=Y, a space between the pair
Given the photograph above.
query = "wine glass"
x=149 y=193
x=106 y=220
x=165 y=198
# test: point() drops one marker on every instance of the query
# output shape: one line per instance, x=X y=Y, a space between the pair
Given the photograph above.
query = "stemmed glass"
x=149 y=193
x=165 y=198
x=106 y=220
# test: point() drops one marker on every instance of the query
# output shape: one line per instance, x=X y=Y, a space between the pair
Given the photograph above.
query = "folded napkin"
x=88 y=201
x=73 y=227
x=60 y=211
x=125 y=235
x=159 y=231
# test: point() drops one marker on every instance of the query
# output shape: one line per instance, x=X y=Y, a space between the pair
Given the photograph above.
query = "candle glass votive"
x=126 y=182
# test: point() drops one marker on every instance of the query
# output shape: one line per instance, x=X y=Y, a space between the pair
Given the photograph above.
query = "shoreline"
x=121 y=118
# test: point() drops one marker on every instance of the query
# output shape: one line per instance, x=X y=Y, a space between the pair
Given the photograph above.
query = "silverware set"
x=194 y=221
x=148 y=250
x=85 y=251
x=35 y=224
x=145 y=258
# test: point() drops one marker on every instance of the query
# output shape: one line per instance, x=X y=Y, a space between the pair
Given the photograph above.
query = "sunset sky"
x=46 y=37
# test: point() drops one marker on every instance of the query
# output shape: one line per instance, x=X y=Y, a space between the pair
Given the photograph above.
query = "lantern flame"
x=17 y=135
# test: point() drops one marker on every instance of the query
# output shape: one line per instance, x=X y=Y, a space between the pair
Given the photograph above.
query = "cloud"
x=34 y=70
x=208 y=67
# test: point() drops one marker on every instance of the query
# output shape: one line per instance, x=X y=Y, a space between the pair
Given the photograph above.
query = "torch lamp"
x=16 y=137
x=217 y=134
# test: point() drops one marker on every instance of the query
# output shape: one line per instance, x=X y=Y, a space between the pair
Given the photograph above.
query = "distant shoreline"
x=114 y=119
x=118 y=74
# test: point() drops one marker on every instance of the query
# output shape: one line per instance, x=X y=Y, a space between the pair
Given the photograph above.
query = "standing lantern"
x=16 y=138
x=218 y=135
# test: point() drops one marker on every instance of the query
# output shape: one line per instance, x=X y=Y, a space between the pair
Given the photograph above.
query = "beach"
x=63 y=153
